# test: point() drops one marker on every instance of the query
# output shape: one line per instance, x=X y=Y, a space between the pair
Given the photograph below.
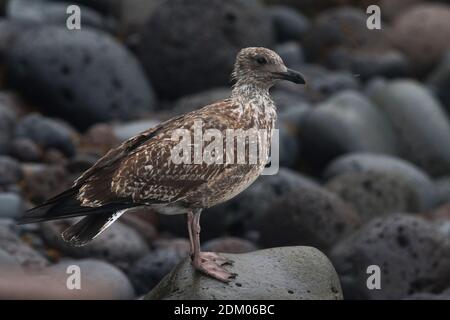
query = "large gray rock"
x=183 y=56
x=10 y=171
x=439 y=81
x=84 y=76
x=445 y=295
x=290 y=273
x=235 y=215
x=125 y=131
x=98 y=280
x=321 y=83
x=292 y=54
x=340 y=26
x=289 y=23
x=41 y=182
x=347 y=122
x=22 y=253
x=368 y=63
x=413 y=256
x=308 y=216
x=7 y=121
x=426 y=42
x=197 y=100
x=46 y=132
x=149 y=270
x=7 y=261
x=51 y=13
x=442 y=186
x=359 y=162
x=229 y=245
x=373 y=194
x=11 y=205
x=422 y=127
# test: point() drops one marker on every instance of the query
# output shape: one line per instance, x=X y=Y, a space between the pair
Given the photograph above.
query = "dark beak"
x=291 y=75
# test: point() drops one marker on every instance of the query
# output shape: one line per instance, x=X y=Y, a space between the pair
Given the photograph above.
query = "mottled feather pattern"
x=141 y=169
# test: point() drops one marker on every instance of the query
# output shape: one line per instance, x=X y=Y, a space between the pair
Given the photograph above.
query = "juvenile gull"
x=141 y=171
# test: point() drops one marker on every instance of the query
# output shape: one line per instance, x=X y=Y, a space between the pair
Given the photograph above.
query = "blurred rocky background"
x=365 y=146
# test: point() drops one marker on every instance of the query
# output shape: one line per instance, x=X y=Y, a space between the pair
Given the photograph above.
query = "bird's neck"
x=251 y=94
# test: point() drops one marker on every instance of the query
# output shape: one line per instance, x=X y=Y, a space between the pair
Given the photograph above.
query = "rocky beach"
x=364 y=174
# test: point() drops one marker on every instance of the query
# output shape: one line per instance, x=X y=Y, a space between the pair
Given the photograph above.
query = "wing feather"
x=141 y=169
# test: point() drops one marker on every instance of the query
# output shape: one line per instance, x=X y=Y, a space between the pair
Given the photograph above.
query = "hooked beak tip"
x=292 y=76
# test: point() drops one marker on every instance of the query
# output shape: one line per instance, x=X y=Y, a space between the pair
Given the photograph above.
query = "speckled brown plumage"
x=141 y=171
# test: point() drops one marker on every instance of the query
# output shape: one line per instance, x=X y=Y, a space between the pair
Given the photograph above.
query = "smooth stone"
x=25 y=150
x=421 y=125
x=445 y=295
x=197 y=100
x=47 y=133
x=11 y=171
x=149 y=270
x=98 y=280
x=80 y=163
x=9 y=31
x=8 y=119
x=132 y=16
x=22 y=253
x=84 y=77
x=236 y=214
x=208 y=62
x=105 y=7
x=321 y=83
x=289 y=24
x=229 y=245
x=42 y=181
x=291 y=53
x=98 y=140
x=418 y=180
x=119 y=244
x=289 y=145
x=347 y=122
x=411 y=254
x=232 y=216
x=130 y=129
x=7 y=262
x=370 y=63
x=286 y=100
x=145 y=229
x=373 y=194
x=442 y=187
x=439 y=81
x=392 y=9
x=424 y=43
x=11 y=205
x=440 y=217
x=51 y=13
x=343 y=26
x=295 y=218
x=309 y=7
x=288 y=273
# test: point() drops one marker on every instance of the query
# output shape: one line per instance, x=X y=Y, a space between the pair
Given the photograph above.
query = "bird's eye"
x=261 y=60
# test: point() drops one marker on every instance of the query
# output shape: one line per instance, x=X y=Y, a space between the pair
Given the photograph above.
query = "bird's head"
x=262 y=67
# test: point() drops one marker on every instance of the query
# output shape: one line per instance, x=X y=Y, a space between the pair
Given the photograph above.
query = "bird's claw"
x=211 y=256
x=211 y=264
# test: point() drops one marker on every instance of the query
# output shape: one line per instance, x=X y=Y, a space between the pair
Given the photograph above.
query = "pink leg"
x=208 y=262
x=190 y=220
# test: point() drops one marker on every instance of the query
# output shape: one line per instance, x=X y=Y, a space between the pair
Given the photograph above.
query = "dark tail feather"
x=66 y=205
x=89 y=227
